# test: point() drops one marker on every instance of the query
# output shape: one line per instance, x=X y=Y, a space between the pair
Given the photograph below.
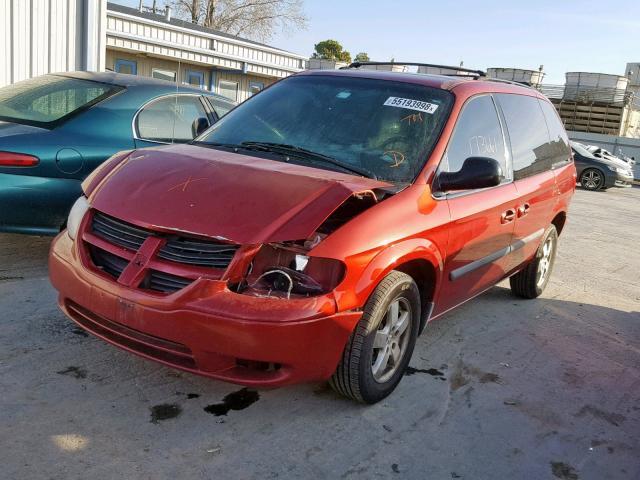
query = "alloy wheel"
x=544 y=264
x=591 y=179
x=391 y=340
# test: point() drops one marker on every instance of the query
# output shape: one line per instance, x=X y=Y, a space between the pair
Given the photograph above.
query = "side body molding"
x=470 y=267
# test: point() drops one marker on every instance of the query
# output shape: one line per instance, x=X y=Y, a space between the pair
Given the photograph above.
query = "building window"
x=228 y=89
x=126 y=66
x=255 y=87
x=163 y=74
x=194 y=78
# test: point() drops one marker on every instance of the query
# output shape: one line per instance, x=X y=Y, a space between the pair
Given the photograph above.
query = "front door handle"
x=523 y=209
x=508 y=216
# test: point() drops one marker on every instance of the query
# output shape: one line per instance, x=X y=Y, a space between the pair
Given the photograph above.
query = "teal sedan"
x=55 y=129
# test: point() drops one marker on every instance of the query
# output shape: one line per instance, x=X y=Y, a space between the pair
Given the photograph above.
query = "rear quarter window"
x=169 y=119
x=528 y=134
x=560 y=150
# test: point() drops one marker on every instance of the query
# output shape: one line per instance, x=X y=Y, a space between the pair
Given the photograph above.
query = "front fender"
x=360 y=286
x=93 y=181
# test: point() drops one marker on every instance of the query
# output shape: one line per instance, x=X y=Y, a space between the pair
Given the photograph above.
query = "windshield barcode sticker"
x=410 y=104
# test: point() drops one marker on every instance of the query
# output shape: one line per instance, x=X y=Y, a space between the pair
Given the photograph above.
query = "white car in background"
x=600 y=152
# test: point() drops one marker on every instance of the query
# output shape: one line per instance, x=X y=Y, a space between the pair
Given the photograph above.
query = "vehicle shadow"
x=547 y=378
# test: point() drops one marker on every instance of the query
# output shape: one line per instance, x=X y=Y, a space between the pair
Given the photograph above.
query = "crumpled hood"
x=614 y=161
x=240 y=198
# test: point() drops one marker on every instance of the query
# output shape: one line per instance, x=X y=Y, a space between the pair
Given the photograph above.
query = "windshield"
x=47 y=100
x=378 y=128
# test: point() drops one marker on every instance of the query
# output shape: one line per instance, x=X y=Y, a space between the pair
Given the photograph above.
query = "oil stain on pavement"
x=234 y=401
x=613 y=418
x=164 y=411
x=563 y=471
x=190 y=396
x=75 y=372
x=430 y=371
x=463 y=373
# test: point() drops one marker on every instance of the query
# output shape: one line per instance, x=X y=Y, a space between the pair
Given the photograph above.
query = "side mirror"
x=198 y=126
x=476 y=172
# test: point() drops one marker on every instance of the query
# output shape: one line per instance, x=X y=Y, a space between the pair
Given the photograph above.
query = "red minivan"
x=314 y=231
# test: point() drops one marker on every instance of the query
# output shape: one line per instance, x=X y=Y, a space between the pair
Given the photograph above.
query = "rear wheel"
x=380 y=347
x=592 y=179
x=531 y=281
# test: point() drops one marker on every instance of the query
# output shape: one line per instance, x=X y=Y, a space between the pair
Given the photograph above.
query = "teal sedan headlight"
x=76 y=215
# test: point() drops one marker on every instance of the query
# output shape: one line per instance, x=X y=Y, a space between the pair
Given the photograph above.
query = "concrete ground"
x=499 y=389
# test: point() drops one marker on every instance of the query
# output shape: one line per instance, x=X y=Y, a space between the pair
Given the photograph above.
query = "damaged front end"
x=289 y=269
x=281 y=270
x=271 y=219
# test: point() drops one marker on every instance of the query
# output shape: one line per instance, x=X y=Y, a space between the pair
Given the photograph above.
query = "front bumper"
x=623 y=180
x=205 y=328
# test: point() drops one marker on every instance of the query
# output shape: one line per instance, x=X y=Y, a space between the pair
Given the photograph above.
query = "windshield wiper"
x=289 y=150
x=300 y=152
x=232 y=146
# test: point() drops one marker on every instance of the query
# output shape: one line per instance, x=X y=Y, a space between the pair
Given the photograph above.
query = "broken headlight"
x=285 y=271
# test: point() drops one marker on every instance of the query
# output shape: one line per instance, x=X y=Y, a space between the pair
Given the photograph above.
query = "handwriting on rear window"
x=483 y=145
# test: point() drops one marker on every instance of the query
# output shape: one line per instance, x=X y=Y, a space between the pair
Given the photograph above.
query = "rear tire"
x=592 y=179
x=531 y=281
x=380 y=347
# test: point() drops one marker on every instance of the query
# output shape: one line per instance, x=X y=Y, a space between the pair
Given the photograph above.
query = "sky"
x=562 y=35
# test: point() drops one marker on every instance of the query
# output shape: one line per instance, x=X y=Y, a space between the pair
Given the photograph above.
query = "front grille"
x=107 y=262
x=191 y=251
x=198 y=252
x=165 y=282
x=118 y=232
x=213 y=256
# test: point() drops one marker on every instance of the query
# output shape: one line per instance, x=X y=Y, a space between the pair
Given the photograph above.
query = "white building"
x=42 y=36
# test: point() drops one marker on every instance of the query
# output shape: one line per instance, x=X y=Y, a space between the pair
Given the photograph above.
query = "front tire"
x=592 y=179
x=531 y=281
x=380 y=347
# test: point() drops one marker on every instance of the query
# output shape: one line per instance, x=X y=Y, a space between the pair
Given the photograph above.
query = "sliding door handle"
x=523 y=209
x=508 y=216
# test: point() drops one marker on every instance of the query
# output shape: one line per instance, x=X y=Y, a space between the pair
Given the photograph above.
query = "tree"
x=361 y=57
x=256 y=19
x=331 y=50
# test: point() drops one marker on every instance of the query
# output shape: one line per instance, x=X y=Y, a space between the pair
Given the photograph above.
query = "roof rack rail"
x=511 y=82
x=479 y=73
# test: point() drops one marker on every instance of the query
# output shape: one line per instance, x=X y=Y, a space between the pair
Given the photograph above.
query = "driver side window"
x=170 y=119
x=477 y=133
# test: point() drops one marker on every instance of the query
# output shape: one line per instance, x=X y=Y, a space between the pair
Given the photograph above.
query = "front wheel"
x=592 y=179
x=531 y=281
x=380 y=347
